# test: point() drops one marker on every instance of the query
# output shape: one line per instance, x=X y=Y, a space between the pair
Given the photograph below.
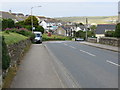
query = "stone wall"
x=92 y=40
x=16 y=50
x=110 y=41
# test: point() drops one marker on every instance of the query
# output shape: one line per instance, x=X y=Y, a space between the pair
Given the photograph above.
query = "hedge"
x=5 y=56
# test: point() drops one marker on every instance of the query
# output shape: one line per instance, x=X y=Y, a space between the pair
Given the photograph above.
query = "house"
x=66 y=30
x=50 y=24
x=81 y=28
x=102 y=28
x=61 y=31
x=7 y=15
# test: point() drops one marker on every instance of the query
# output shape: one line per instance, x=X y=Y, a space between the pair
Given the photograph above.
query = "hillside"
x=91 y=19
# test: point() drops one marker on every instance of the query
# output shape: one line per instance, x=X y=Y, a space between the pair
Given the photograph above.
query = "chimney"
x=10 y=11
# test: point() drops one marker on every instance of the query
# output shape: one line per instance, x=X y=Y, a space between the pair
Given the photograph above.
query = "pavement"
x=89 y=67
x=108 y=47
x=37 y=70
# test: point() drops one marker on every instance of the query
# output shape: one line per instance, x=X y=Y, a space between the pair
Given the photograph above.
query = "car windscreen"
x=37 y=35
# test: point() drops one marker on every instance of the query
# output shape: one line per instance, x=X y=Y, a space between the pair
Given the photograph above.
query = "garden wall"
x=110 y=41
x=16 y=50
x=92 y=40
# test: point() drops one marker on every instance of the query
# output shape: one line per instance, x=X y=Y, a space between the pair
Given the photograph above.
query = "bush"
x=109 y=33
x=29 y=27
x=40 y=29
x=117 y=30
x=7 y=23
x=5 y=56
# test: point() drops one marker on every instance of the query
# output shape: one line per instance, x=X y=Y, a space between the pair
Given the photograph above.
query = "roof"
x=41 y=16
x=67 y=27
x=82 y=27
x=102 y=27
x=7 y=15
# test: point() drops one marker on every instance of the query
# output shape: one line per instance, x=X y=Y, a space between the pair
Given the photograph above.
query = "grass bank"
x=11 y=38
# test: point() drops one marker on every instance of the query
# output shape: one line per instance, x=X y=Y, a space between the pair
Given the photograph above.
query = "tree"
x=117 y=30
x=28 y=21
x=40 y=29
x=7 y=23
x=93 y=27
x=80 y=34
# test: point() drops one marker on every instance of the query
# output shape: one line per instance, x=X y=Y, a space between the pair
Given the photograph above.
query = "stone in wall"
x=16 y=50
x=110 y=41
x=92 y=40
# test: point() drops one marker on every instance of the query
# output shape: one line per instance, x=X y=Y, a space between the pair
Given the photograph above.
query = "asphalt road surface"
x=91 y=67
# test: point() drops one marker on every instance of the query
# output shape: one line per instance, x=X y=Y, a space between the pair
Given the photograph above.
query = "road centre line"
x=112 y=63
x=65 y=44
x=72 y=47
x=88 y=53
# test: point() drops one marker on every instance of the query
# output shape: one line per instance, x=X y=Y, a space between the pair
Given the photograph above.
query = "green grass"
x=55 y=37
x=91 y=19
x=9 y=77
x=13 y=37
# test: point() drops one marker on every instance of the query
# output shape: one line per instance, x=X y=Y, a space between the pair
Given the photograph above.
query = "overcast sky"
x=63 y=8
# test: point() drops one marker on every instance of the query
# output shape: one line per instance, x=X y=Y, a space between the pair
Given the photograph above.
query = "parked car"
x=79 y=39
x=38 y=37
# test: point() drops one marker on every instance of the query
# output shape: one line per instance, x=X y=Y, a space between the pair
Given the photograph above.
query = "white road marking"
x=88 y=53
x=72 y=47
x=112 y=63
x=65 y=44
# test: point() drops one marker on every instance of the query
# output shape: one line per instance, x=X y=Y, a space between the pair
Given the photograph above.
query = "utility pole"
x=32 y=17
x=86 y=28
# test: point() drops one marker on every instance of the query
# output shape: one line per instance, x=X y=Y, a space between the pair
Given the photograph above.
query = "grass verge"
x=9 y=77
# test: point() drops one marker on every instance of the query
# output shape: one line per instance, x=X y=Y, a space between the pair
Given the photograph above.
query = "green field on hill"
x=91 y=19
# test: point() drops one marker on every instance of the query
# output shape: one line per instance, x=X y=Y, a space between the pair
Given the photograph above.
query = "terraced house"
x=14 y=16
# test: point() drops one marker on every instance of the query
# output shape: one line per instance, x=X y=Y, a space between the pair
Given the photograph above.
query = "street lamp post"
x=32 y=17
x=86 y=28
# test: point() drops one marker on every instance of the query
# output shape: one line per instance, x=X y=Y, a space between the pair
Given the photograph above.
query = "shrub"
x=40 y=29
x=5 y=56
x=109 y=33
x=7 y=23
x=117 y=30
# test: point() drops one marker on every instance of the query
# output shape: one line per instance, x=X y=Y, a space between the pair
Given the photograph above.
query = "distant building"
x=102 y=28
x=66 y=30
x=18 y=14
x=7 y=15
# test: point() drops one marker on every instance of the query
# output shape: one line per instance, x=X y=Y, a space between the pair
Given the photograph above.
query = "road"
x=91 y=67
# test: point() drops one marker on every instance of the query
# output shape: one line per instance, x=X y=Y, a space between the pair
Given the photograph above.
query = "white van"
x=38 y=37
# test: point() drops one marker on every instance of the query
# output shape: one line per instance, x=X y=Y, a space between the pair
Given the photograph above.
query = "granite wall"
x=16 y=50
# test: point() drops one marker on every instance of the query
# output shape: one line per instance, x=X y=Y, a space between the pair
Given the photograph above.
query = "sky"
x=62 y=8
